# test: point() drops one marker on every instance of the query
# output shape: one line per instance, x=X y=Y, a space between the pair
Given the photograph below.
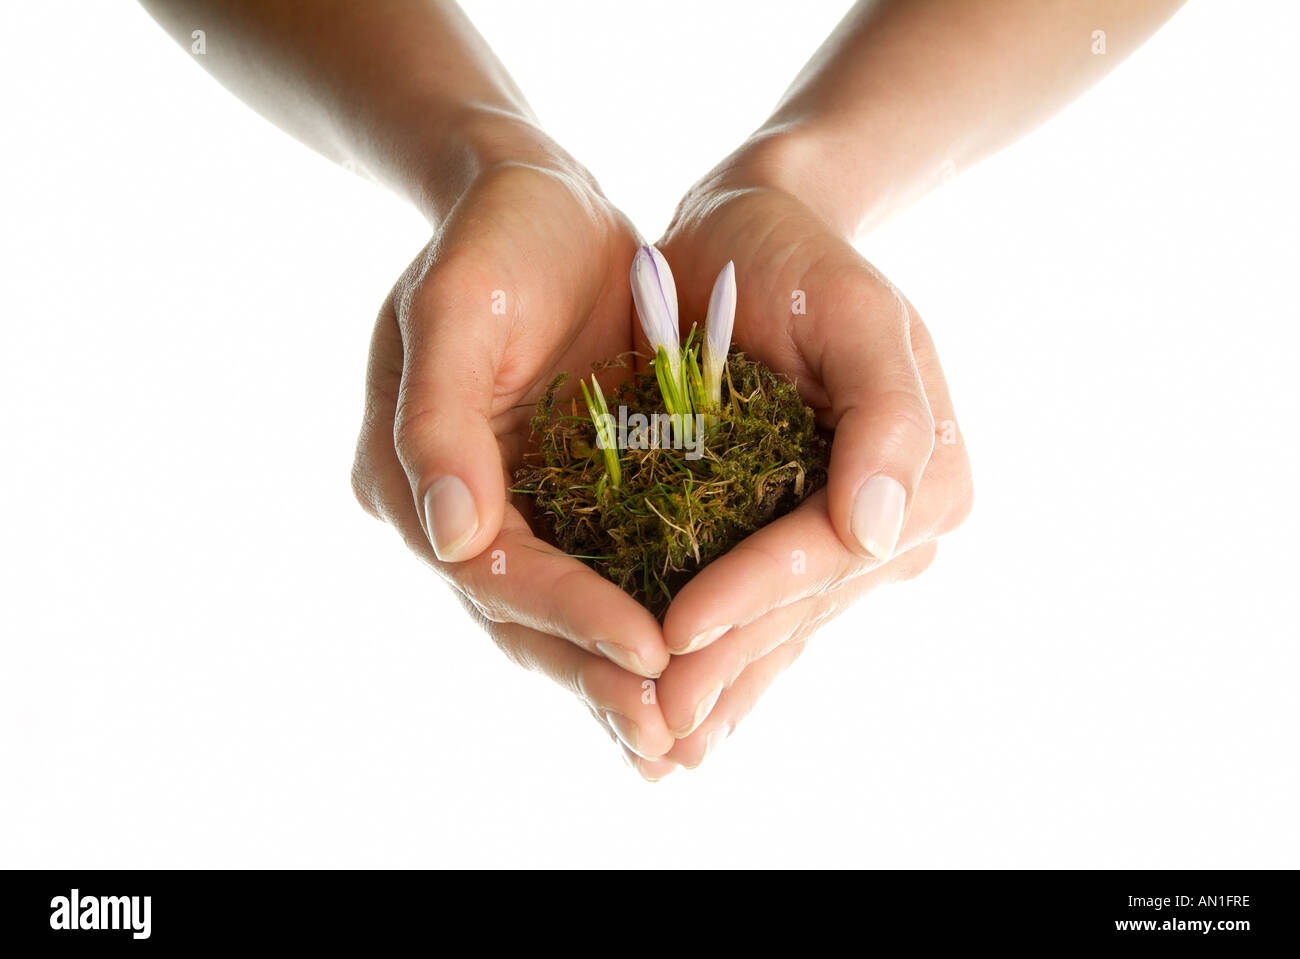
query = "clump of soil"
x=672 y=514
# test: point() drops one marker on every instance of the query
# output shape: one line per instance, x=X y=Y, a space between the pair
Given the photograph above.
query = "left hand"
x=899 y=473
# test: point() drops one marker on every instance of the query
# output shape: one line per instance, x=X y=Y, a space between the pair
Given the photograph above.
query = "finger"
x=651 y=770
x=736 y=702
x=443 y=423
x=523 y=579
x=796 y=556
x=692 y=684
x=949 y=467
x=852 y=351
x=626 y=703
x=519 y=578
x=739 y=699
x=884 y=427
x=802 y=553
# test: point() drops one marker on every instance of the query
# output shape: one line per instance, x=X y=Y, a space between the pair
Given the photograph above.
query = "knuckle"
x=448 y=277
x=427 y=299
x=485 y=605
x=902 y=420
x=509 y=643
x=911 y=414
x=413 y=427
x=861 y=286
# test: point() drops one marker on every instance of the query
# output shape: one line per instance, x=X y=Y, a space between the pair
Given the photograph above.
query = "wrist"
x=834 y=173
x=474 y=141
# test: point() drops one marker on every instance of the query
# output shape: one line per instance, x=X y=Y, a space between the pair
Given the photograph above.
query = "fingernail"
x=878 y=515
x=715 y=737
x=702 y=639
x=626 y=731
x=652 y=776
x=637 y=765
x=711 y=740
x=625 y=658
x=450 y=516
x=701 y=714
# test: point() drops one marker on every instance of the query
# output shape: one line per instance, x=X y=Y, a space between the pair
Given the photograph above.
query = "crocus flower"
x=717 y=332
x=655 y=295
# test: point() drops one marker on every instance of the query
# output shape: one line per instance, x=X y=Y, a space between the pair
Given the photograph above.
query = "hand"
x=526 y=278
x=899 y=475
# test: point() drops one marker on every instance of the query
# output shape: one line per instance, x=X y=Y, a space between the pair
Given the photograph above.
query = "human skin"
x=903 y=94
x=411 y=93
x=407 y=90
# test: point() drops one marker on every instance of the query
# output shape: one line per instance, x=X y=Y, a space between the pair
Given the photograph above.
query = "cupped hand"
x=526 y=278
x=812 y=308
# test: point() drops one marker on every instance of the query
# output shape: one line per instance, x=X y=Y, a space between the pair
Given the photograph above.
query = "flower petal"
x=717 y=330
x=655 y=294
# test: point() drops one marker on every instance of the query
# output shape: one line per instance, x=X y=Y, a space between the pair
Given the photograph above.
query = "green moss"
x=672 y=514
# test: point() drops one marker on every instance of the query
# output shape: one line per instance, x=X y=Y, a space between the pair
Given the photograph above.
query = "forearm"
x=406 y=89
x=905 y=92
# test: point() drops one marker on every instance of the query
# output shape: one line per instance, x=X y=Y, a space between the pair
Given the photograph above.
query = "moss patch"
x=673 y=513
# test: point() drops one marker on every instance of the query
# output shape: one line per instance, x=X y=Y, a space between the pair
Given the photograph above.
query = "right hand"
x=449 y=394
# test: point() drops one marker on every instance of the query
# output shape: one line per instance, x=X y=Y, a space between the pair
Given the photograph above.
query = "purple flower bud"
x=655 y=295
x=717 y=331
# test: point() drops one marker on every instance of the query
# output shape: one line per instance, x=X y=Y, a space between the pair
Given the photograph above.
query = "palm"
x=527 y=279
x=777 y=269
x=554 y=267
x=810 y=307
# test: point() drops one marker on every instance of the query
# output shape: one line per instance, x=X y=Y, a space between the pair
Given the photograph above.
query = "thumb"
x=442 y=430
x=884 y=429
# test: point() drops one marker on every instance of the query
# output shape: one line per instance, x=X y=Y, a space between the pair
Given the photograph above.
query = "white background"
x=212 y=657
